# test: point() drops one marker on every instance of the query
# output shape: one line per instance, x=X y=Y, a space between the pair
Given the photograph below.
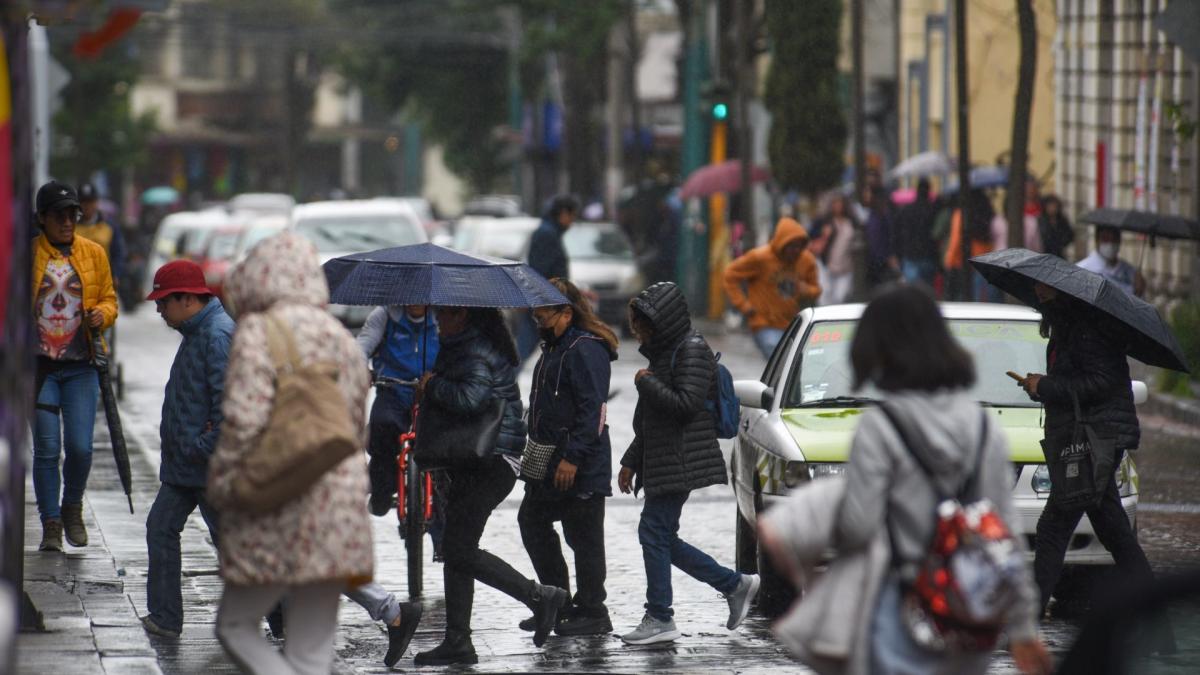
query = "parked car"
x=494 y=206
x=259 y=228
x=179 y=234
x=339 y=228
x=602 y=262
x=219 y=255
x=495 y=237
x=263 y=203
x=798 y=419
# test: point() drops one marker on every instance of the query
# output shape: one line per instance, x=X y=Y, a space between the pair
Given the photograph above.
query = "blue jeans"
x=767 y=339
x=69 y=393
x=168 y=516
x=658 y=533
x=919 y=270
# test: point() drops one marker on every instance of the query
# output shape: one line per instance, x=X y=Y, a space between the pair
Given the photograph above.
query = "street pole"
x=859 y=247
x=744 y=91
x=718 y=232
x=964 y=141
x=693 y=246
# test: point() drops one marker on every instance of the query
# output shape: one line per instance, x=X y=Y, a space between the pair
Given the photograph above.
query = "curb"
x=1174 y=408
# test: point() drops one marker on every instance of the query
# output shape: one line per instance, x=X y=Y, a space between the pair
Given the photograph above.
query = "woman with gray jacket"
x=903 y=348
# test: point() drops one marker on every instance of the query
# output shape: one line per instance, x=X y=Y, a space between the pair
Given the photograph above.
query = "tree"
x=808 y=125
x=94 y=128
x=1015 y=201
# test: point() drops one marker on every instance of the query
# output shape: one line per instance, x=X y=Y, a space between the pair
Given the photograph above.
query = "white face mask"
x=1107 y=250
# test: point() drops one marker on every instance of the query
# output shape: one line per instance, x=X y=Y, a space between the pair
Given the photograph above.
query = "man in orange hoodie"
x=771 y=283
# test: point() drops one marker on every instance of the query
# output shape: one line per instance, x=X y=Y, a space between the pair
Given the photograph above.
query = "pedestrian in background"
x=191 y=423
x=773 y=282
x=317 y=545
x=568 y=410
x=880 y=234
x=548 y=257
x=979 y=233
x=94 y=226
x=903 y=348
x=1054 y=228
x=831 y=241
x=1106 y=261
x=915 y=244
x=1086 y=360
x=674 y=451
x=73 y=297
x=478 y=363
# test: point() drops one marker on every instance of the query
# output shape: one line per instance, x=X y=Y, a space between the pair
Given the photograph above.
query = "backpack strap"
x=280 y=344
x=913 y=439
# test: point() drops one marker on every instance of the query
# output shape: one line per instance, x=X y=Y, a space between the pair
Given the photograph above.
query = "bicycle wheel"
x=414 y=525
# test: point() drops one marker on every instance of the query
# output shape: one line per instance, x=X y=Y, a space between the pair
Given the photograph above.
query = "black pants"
x=583 y=528
x=391 y=415
x=474 y=494
x=164 y=524
x=1057 y=524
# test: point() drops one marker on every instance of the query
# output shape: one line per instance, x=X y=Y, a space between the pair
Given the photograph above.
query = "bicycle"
x=414 y=496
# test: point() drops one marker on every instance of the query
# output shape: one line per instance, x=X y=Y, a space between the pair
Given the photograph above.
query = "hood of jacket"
x=666 y=308
x=951 y=425
x=284 y=268
x=787 y=230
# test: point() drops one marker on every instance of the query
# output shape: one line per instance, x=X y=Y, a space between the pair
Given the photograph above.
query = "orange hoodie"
x=761 y=285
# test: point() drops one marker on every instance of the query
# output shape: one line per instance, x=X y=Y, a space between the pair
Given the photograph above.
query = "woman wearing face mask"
x=1105 y=260
x=567 y=410
x=477 y=363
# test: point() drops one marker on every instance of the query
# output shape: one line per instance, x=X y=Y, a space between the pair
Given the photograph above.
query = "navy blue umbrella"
x=425 y=274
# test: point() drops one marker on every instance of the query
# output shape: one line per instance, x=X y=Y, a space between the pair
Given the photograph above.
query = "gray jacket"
x=881 y=465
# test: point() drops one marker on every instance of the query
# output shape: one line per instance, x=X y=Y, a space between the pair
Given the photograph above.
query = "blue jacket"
x=470 y=371
x=191 y=412
x=393 y=343
x=547 y=254
x=567 y=407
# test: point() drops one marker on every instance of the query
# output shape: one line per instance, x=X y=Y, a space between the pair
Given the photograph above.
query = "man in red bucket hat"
x=191 y=419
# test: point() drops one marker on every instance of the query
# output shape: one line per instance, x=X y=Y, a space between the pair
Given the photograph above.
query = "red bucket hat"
x=178 y=276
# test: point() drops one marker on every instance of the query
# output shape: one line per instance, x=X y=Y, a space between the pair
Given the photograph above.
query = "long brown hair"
x=583 y=316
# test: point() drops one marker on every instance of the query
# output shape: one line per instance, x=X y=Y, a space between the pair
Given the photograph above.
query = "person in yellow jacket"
x=73 y=296
x=92 y=225
x=771 y=283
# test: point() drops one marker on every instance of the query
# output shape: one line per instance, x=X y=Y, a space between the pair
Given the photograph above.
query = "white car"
x=798 y=419
x=180 y=234
x=339 y=228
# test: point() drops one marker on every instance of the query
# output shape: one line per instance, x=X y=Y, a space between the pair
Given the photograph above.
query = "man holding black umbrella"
x=191 y=419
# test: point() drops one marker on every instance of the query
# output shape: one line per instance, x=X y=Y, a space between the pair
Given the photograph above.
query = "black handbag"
x=1081 y=467
x=448 y=439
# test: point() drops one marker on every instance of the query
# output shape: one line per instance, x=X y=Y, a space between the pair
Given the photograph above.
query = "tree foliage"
x=808 y=125
x=94 y=127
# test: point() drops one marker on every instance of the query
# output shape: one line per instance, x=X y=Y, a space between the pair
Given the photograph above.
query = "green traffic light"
x=720 y=111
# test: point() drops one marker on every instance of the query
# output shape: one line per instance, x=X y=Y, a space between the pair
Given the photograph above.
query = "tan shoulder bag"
x=309 y=431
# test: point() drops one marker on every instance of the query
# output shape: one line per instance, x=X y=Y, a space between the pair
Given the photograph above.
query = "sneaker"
x=400 y=636
x=72 y=518
x=155 y=629
x=454 y=649
x=739 y=600
x=52 y=535
x=547 y=600
x=651 y=631
x=583 y=625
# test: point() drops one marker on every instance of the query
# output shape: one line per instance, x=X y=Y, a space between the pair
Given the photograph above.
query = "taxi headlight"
x=794 y=473
x=1041 y=480
x=816 y=471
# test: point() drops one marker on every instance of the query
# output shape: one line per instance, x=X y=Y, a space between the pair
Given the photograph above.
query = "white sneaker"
x=739 y=600
x=651 y=630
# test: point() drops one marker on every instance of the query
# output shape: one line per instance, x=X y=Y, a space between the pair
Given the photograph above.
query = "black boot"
x=456 y=648
x=275 y=622
x=545 y=602
x=400 y=636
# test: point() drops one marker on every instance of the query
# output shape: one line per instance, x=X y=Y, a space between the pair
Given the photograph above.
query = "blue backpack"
x=726 y=409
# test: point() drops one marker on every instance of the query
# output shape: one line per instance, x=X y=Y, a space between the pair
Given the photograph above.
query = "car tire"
x=745 y=552
x=775 y=593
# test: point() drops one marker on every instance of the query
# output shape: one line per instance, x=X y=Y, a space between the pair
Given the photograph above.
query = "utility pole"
x=859 y=248
x=744 y=91
x=964 y=142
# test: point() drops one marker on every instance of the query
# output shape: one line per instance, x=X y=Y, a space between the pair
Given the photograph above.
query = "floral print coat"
x=324 y=535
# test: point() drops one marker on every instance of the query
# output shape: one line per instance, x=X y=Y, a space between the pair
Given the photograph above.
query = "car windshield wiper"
x=839 y=402
x=1009 y=404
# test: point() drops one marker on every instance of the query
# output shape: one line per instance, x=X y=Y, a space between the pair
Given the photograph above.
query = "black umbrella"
x=1153 y=224
x=112 y=415
x=1016 y=270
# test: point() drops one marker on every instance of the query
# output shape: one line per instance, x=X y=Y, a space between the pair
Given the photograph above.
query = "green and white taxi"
x=798 y=419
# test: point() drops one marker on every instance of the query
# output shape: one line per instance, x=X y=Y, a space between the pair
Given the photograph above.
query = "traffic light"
x=717 y=95
x=720 y=111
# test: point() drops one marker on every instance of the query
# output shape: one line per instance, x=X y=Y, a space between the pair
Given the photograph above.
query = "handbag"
x=449 y=439
x=308 y=433
x=535 y=460
x=1080 y=468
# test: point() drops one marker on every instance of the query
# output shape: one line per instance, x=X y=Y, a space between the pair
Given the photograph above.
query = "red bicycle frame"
x=406 y=440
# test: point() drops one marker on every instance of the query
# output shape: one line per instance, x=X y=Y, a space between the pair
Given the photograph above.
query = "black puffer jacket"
x=1086 y=355
x=470 y=371
x=674 y=447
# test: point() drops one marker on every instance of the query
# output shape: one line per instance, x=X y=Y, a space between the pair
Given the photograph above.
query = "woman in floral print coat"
x=317 y=545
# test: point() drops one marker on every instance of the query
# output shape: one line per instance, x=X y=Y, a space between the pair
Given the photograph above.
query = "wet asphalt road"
x=1169 y=524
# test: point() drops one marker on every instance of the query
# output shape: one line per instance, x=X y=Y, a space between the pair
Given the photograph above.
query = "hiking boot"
x=401 y=635
x=455 y=648
x=739 y=600
x=72 y=516
x=155 y=629
x=546 y=601
x=52 y=535
x=651 y=631
x=579 y=624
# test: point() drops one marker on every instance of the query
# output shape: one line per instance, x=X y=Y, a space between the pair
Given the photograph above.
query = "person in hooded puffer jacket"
x=674 y=451
x=319 y=544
